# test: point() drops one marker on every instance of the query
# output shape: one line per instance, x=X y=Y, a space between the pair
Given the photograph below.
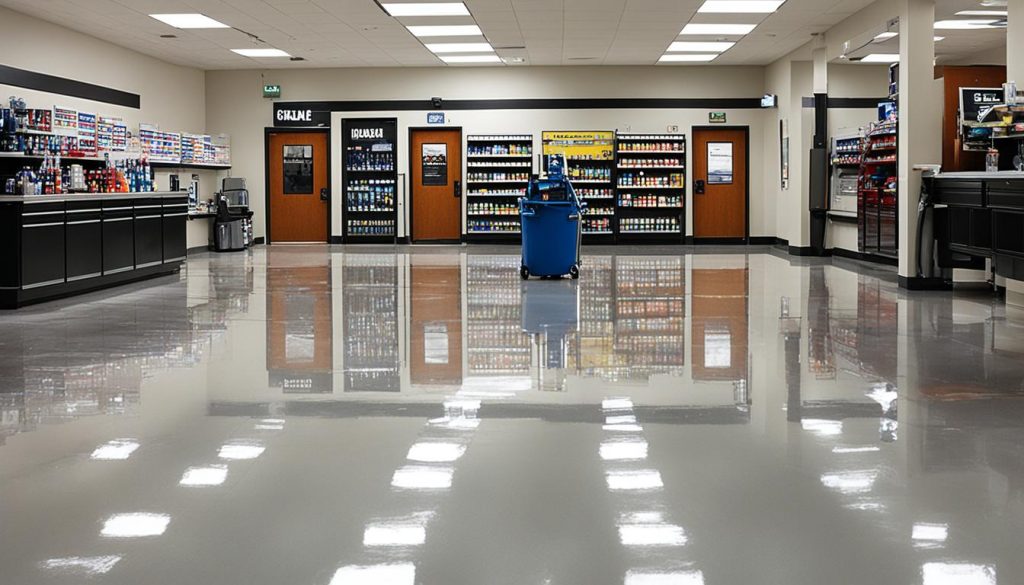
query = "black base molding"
x=14 y=298
x=259 y=240
x=844 y=253
x=763 y=240
x=336 y=240
x=808 y=251
x=716 y=241
x=921 y=283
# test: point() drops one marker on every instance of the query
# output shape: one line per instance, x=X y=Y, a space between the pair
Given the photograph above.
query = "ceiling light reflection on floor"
x=89 y=566
x=844 y=450
x=422 y=478
x=118 y=449
x=824 y=428
x=401 y=574
x=436 y=452
x=850 y=482
x=621 y=419
x=394 y=534
x=634 y=480
x=240 y=450
x=616 y=404
x=957 y=574
x=211 y=476
x=634 y=577
x=652 y=535
x=927 y=535
x=623 y=450
x=135 y=525
x=623 y=428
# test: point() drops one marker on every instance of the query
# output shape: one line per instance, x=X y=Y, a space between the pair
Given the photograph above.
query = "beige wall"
x=235 y=106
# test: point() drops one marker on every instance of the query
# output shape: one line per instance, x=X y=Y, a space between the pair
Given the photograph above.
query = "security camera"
x=436 y=101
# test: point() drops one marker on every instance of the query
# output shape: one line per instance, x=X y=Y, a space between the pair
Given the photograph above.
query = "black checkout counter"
x=60 y=245
x=980 y=215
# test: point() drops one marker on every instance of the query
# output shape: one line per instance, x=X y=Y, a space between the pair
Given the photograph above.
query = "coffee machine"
x=232 y=228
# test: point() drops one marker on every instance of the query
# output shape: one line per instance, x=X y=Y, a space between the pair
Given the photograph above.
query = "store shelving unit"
x=370 y=179
x=496 y=344
x=847 y=155
x=371 y=323
x=651 y=188
x=590 y=158
x=877 y=205
x=498 y=169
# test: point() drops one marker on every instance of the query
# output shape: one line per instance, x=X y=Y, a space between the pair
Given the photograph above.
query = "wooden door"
x=297 y=167
x=436 y=161
x=435 y=356
x=720 y=171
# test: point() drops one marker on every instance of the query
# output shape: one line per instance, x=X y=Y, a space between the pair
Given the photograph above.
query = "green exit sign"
x=271 y=91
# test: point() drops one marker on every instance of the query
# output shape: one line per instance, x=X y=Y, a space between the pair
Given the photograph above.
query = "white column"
x=920 y=127
x=1015 y=72
x=819 y=55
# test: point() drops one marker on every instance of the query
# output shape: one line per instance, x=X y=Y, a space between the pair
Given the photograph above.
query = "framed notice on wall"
x=720 y=171
x=784 y=154
x=435 y=165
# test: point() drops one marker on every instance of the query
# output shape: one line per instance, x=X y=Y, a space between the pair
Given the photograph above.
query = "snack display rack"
x=498 y=169
x=370 y=179
x=651 y=188
x=590 y=161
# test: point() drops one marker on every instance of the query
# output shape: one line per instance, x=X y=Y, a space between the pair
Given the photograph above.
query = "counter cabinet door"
x=42 y=252
x=175 y=245
x=149 y=238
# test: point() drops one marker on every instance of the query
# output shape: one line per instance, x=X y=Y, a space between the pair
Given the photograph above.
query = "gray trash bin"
x=228 y=236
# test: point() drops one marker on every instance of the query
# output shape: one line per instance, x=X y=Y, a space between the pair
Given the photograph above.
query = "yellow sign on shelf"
x=590 y=145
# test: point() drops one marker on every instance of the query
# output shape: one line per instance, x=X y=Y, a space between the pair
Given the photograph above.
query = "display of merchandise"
x=65 y=121
x=87 y=134
x=631 y=200
x=371 y=195
x=877 y=211
x=594 y=211
x=158 y=146
x=651 y=187
x=499 y=169
x=847 y=151
x=111 y=134
x=371 y=324
x=590 y=166
x=52 y=177
x=370 y=180
x=504 y=226
x=589 y=193
x=579 y=174
x=33 y=120
x=597 y=225
x=477 y=208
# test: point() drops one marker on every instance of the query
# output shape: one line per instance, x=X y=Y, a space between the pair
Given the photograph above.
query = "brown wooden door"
x=720 y=161
x=436 y=161
x=436 y=330
x=297 y=167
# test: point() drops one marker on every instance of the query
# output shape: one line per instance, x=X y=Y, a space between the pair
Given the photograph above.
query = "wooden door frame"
x=267 y=131
x=746 y=228
x=412 y=160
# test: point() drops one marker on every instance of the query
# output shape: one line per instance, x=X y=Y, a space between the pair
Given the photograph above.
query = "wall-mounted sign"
x=298 y=115
x=435 y=165
x=435 y=118
x=716 y=117
x=719 y=163
x=975 y=99
x=271 y=91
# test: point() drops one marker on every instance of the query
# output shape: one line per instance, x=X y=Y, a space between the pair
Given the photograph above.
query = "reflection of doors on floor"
x=720 y=324
x=436 y=161
x=300 y=355
x=720 y=170
x=296 y=173
x=436 y=329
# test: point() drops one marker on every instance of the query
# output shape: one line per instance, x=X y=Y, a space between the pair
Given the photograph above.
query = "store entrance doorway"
x=435 y=156
x=720 y=189
x=298 y=197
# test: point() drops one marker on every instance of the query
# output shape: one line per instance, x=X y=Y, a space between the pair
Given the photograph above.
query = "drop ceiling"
x=357 y=33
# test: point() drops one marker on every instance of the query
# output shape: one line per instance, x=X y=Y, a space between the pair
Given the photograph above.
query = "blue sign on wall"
x=435 y=118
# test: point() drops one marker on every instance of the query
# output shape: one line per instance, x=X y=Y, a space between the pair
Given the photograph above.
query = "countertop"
x=981 y=175
x=89 y=196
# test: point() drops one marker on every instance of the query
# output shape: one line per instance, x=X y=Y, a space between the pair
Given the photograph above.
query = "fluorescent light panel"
x=454 y=30
x=965 y=24
x=717 y=29
x=686 y=57
x=881 y=58
x=470 y=58
x=460 y=47
x=983 y=13
x=260 y=52
x=700 y=47
x=192 y=20
x=741 y=6
x=427 y=9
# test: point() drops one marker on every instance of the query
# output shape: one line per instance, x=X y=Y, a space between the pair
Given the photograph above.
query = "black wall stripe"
x=837 y=103
x=525 y=104
x=68 y=87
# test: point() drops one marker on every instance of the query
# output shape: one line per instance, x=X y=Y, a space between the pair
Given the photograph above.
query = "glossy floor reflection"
x=390 y=416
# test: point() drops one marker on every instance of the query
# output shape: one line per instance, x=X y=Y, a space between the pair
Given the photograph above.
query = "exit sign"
x=271 y=91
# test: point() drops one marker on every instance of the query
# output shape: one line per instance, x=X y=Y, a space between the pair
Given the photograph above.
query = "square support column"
x=920 y=120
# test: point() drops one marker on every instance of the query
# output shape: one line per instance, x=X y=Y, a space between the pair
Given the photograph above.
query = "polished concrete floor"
x=391 y=416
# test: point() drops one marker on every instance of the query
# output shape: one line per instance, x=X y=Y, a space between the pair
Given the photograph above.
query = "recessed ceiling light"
x=691 y=57
x=937 y=39
x=456 y=30
x=741 y=6
x=699 y=47
x=427 y=9
x=881 y=58
x=965 y=24
x=717 y=29
x=460 y=47
x=983 y=13
x=260 y=52
x=189 y=21
x=471 y=58
x=885 y=36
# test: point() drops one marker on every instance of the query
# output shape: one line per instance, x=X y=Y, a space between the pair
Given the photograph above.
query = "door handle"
x=698 y=187
x=458 y=189
x=325 y=194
